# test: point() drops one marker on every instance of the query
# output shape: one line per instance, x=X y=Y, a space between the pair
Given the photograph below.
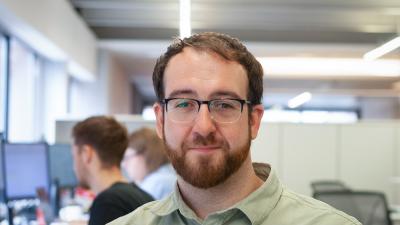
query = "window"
x=23 y=94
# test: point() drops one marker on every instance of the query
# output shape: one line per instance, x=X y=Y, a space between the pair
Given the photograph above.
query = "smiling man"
x=209 y=88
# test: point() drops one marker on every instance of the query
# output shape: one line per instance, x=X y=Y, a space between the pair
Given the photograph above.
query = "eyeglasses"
x=221 y=110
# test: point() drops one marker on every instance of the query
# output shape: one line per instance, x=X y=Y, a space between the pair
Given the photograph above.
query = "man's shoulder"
x=304 y=206
x=123 y=194
x=127 y=189
x=143 y=214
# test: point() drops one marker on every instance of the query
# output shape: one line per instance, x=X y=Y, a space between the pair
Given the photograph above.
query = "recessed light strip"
x=299 y=100
x=184 y=19
x=383 y=49
x=345 y=67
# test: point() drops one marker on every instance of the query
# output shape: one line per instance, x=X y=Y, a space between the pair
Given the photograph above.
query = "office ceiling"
x=136 y=32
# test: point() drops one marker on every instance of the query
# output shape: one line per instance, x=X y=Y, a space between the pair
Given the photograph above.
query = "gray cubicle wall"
x=61 y=164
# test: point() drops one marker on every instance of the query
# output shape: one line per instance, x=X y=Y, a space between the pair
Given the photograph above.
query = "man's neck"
x=207 y=201
x=105 y=178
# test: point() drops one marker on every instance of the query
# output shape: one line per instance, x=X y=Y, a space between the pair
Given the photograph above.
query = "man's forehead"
x=194 y=94
x=194 y=73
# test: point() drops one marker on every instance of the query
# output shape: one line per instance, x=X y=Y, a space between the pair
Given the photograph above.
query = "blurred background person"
x=146 y=163
x=99 y=144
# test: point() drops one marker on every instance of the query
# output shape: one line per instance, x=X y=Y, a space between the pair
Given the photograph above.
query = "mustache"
x=203 y=141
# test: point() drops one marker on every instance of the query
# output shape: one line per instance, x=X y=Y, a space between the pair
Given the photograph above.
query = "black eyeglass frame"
x=207 y=102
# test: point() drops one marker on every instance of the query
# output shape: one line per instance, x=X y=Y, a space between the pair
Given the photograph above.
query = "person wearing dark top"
x=118 y=200
x=98 y=147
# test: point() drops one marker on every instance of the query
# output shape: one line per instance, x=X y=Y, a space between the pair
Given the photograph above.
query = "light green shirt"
x=271 y=204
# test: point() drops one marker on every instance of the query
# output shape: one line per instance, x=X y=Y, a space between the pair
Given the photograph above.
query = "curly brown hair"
x=225 y=46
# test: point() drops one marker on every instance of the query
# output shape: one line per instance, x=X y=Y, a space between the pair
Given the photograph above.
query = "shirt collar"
x=172 y=203
x=167 y=205
x=266 y=196
x=269 y=193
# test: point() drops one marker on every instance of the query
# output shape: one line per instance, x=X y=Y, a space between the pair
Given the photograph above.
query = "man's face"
x=134 y=165
x=79 y=168
x=203 y=152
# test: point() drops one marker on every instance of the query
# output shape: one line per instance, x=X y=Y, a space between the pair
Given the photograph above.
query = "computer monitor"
x=26 y=169
x=61 y=165
x=1 y=169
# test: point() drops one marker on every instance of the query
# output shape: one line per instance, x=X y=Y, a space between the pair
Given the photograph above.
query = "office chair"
x=328 y=185
x=370 y=208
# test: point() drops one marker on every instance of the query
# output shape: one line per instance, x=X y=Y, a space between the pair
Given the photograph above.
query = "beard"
x=206 y=171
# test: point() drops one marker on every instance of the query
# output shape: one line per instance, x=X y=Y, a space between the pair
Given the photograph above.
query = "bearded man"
x=209 y=89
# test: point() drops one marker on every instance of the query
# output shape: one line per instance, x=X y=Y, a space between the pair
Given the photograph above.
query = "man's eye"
x=182 y=105
x=224 y=105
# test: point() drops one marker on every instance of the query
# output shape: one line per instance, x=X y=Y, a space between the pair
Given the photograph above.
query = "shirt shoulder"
x=142 y=215
x=313 y=211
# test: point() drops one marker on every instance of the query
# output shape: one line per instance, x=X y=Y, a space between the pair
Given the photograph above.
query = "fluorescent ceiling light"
x=383 y=49
x=184 y=19
x=310 y=66
x=299 y=100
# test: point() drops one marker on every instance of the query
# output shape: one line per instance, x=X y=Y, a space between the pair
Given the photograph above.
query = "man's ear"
x=87 y=152
x=255 y=119
x=159 y=112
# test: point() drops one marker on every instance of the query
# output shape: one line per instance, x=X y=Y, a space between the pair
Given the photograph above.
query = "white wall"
x=110 y=93
x=120 y=95
x=54 y=30
x=55 y=91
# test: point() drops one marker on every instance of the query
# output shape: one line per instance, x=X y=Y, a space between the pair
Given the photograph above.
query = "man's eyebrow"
x=229 y=94
x=177 y=93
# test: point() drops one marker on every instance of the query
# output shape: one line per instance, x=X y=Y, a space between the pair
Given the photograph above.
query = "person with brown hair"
x=99 y=144
x=146 y=163
x=209 y=89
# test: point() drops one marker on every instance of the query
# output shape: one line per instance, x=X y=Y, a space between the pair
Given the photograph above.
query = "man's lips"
x=204 y=149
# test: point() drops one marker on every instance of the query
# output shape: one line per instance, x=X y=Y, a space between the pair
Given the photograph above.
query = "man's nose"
x=204 y=124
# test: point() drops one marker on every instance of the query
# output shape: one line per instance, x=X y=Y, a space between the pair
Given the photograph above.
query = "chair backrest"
x=370 y=208
x=328 y=185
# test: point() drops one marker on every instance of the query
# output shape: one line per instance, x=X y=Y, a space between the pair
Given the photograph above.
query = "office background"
x=61 y=61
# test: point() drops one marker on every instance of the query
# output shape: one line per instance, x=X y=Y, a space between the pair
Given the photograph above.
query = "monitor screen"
x=25 y=170
x=61 y=165
x=1 y=170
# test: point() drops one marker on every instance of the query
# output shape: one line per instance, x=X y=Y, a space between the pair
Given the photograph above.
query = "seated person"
x=99 y=144
x=146 y=163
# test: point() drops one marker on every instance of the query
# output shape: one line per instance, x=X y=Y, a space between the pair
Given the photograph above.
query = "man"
x=146 y=163
x=99 y=145
x=209 y=89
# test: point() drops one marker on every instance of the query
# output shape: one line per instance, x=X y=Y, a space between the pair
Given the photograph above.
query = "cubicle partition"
x=61 y=165
x=364 y=155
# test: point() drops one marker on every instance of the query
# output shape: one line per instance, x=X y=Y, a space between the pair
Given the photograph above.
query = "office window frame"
x=4 y=75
